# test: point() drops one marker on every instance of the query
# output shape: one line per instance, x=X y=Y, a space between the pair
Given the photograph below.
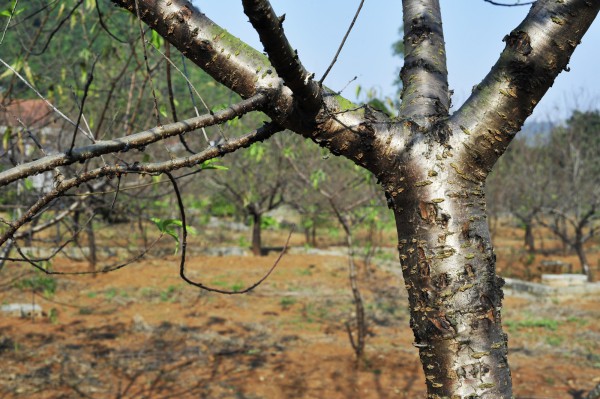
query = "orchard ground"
x=141 y=332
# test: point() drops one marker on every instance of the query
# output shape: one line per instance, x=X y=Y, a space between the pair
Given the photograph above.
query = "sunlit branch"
x=536 y=52
x=424 y=74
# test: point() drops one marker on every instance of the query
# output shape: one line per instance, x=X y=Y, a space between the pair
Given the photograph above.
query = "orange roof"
x=33 y=113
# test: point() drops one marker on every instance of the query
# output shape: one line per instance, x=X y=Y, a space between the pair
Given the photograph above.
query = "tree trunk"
x=92 y=256
x=455 y=296
x=256 y=230
x=585 y=266
x=529 y=240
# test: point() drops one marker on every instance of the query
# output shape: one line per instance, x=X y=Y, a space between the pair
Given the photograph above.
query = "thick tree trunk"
x=449 y=271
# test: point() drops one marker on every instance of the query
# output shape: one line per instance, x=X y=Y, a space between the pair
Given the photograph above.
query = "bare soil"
x=141 y=332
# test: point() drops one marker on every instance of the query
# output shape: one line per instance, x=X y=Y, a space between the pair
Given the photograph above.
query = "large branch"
x=284 y=58
x=536 y=52
x=126 y=143
x=340 y=126
x=424 y=74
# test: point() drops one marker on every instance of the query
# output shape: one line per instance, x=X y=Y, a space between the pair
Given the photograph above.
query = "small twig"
x=42 y=97
x=12 y=12
x=55 y=30
x=86 y=89
x=518 y=3
x=172 y=96
x=36 y=12
x=339 y=50
x=101 y=20
x=139 y=18
x=105 y=269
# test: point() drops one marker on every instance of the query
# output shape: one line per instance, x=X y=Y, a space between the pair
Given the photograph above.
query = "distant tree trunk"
x=529 y=238
x=256 y=230
x=92 y=255
x=579 y=250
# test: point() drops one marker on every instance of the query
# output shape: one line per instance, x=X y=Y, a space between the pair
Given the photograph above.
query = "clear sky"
x=473 y=32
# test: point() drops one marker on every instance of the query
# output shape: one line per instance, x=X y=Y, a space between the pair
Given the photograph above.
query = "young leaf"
x=212 y=164
x=166 y=226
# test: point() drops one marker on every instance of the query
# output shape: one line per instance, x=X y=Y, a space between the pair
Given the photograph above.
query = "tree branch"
x=226 y=58
x=424 y=74
x=247 y=71
x=123 y=144
x=283 y=57
x=157 y=167
x=536 y=52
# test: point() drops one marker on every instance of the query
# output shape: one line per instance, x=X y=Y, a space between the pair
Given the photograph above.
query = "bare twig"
x=55 y=30
x=339 y=50
x=101 y=20
x=184 y=245
x=12 y=12
x=43 y=98
x=518 y=3
x=137 y=10
x=86 y=89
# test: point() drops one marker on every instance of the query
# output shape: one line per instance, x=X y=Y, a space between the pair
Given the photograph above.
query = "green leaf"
x=255 y=152
x=212 y=164
x=358 y=90
x=317 y=177
x=6 y=138
x=156 y=40
x=28 y=184
x=166 y=226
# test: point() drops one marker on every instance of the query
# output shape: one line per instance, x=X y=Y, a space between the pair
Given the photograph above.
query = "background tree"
x=257 y=183
x=574 y=186
x=431 y=165
x=519 y=184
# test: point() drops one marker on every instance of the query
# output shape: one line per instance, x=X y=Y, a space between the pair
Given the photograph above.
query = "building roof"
x=32 y=113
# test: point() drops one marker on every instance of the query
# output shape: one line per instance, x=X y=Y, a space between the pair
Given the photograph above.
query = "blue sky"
x=473 y=32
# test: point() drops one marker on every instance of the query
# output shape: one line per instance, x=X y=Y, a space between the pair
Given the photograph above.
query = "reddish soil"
x=141 y=332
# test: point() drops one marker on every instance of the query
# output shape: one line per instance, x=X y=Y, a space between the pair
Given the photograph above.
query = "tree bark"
x=449 y=271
